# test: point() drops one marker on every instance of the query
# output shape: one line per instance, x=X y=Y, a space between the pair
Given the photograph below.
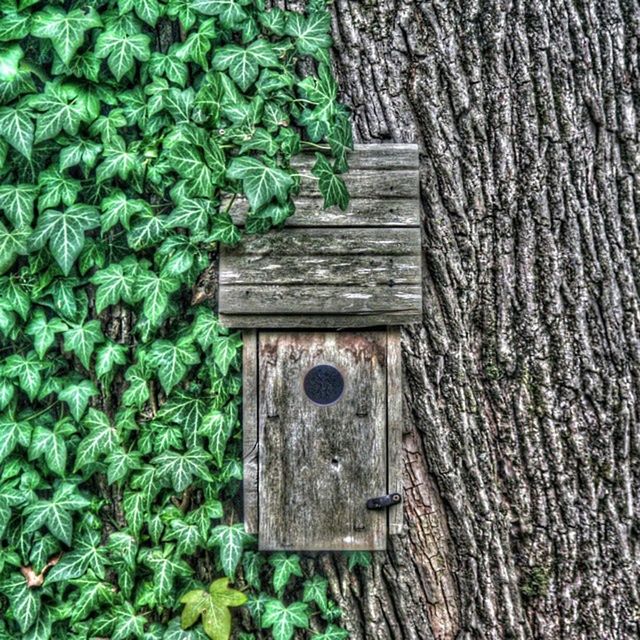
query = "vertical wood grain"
x=394 y=425
x=320 y=464
x=250 y=445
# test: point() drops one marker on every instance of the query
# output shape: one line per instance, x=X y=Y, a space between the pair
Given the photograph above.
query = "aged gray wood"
x=361 y=212
x=250 y=444
x=394 y=426
x=342 y=270
x=371 y=183
x=383 y=156
x=319 y=299
x=319 y=465
x=318 y=321
x=295 y=242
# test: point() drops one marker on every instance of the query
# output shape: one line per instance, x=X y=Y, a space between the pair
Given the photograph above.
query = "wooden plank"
x=296 y=242
x=372 y=156
x=320 y=464
x=361 y=212
x=370 y=183
x=271 y=269
x=320 y=321
x=250 y=445
x=302 y=299
x=394 y=426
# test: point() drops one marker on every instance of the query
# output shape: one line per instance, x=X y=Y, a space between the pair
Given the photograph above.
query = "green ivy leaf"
x=332 y=186
x=16 y=127
x=230 y=12
x=43 y=331
x=82 y=338
x=65 y=30
x=121 y=50
x=10 y=57
x=12 y=432
x=65 y=232
x=315 y=590
x=55 y=513
x=173 y=360
x=230 y=541
x=179 y=469
x=77 y=397
x=17 y=203
x=283 y=620
x=260 y=182
x=147 y=10
x=244 y=64
x=333 y=632
x=115 y=283
x=25 y=602
x=311 y=33
x=284 y=566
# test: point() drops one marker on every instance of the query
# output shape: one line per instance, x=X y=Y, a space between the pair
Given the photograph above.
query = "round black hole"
x=334 y=461
x=323 y=384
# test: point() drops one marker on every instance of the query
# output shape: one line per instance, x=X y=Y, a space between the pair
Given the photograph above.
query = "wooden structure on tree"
x=320 y=301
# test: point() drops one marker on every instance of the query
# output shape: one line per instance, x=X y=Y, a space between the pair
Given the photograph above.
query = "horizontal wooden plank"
x=349 y=299
x=370 y=183
x=320 y=321
x=392 y=241
x=372 y=156
x=342 y=269
x=361 y=212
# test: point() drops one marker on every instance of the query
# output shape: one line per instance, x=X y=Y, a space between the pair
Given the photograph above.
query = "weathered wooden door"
x=323 y=439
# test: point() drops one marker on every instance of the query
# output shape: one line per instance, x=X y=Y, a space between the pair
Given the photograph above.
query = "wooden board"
x=319 y=464
x=394 y=426
x=329 y=268
x=250 y=443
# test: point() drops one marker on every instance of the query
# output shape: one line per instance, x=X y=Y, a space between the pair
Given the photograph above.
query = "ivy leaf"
x=25 y=602
x=332 y=186
x=12 y=244
x=55 y=513
x=121 y=50
x=82 y=338
x=56 y=187
x=225 y=349
x=173 y=360
x=213 y=607
x=12 y=432
x=153 y=291
x=230 y=11
x=93 y=593
x=118 y=160
x=43 y=331
x=75 y=563
x=117 y=208
x=17 y=203
x=176 y=632
x=10 y=58
x=51 y=445
x=64 y=230
x=260 y=182
x=311 y=33
x=115 y=283
x=244 y=63
x=65 y=30
x=333 y=632
x=128 y=623
x=284 y=565
x=16 y=127
x=230 y=540
x=108 y=356
x=283 y=620
x=77 y=397
x=217 y=426
x=101 y=440
x=180 y=468
x=28 y=371
x=315 y=590
x=146 y=10
x=185 y=410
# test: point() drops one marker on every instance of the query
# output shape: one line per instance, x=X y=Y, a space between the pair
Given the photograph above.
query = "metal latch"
x=383 y=502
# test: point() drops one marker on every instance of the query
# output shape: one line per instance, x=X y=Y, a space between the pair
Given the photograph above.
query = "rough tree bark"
x=521 y=442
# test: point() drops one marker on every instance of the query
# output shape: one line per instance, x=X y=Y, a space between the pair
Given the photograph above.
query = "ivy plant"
x=128 y=129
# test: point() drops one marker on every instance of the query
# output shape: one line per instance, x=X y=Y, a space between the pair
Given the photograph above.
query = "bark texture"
x=522 y=383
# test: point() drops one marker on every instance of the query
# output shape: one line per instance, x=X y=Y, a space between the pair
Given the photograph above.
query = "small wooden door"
x=322 y=409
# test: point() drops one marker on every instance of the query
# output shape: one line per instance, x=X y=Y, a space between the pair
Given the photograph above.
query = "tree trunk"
x=521 y=385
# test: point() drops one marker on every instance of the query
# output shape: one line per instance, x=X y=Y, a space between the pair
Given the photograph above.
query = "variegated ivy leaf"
x=16 y=127
x=311 y=33
x=10 y=57
x=16 y=202
x=25 y=602
x=65 y=30
x=51 y=444
x=230 y=12
x=115 y=283
x=332 y=186
x=285 y=565
x=101 y=440
x=28 y=371
x=153 y=291
x=12 y=244
x=283 y=621
x=244 y=63
x=82 y=338
x=64 y=231
x=118 y=208
x=261 y=182
x=77 y=397
x=12 y=433
x=43 y=331
x=55 y=513
x=121 y=50
x=147 y=10
x=172 y=360
x=179 y=469
x=230 y=541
